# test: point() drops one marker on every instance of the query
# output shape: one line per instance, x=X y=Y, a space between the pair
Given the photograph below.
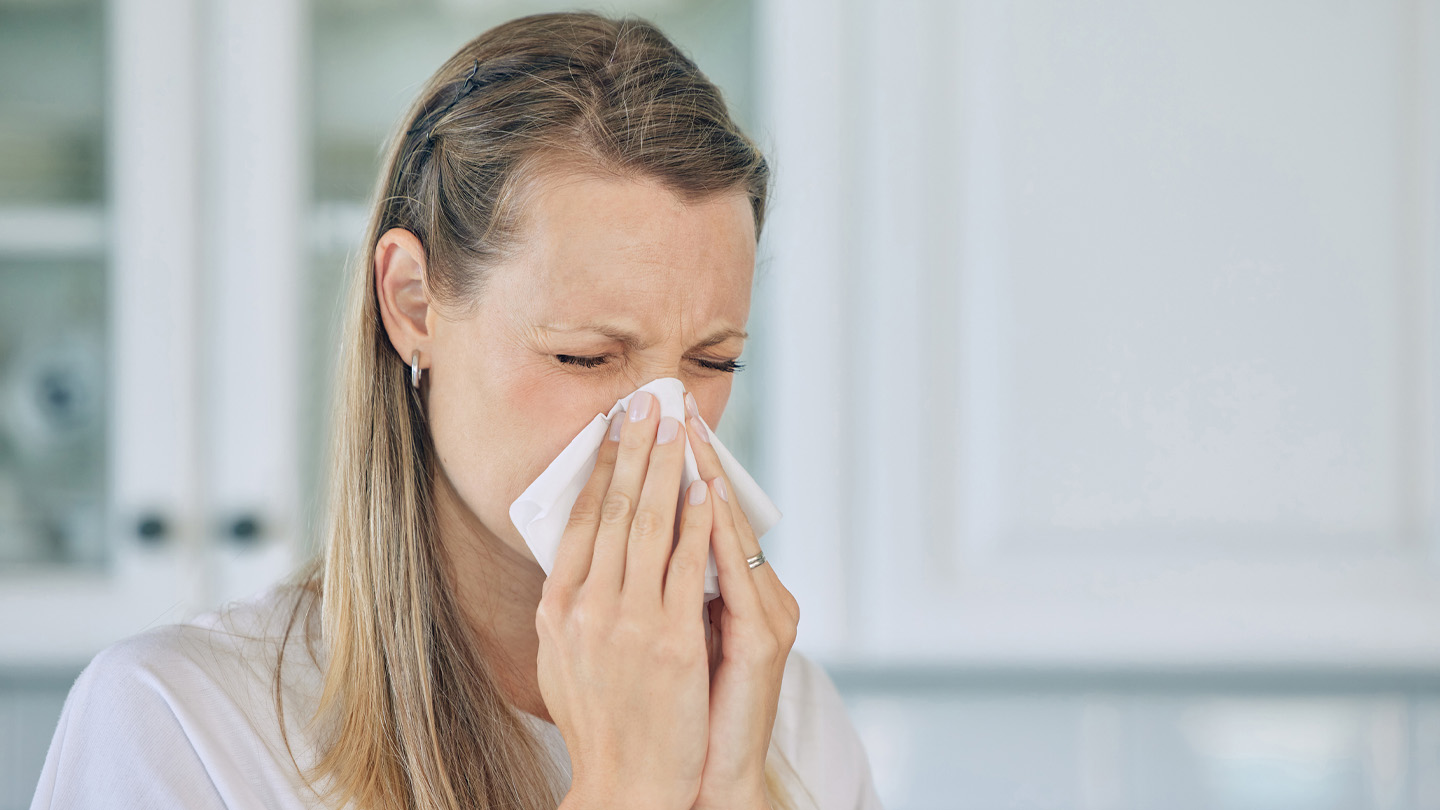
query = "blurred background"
x=1094 y=362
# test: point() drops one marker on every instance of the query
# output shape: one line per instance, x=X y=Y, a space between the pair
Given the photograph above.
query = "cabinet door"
x=99 y=524
x=1133 y=315
x=252 y=290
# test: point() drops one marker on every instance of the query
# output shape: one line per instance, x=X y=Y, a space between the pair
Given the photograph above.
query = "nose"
x=641 y=379
x=639 y=382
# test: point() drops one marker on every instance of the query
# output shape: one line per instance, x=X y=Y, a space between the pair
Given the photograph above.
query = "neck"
x=497 y=590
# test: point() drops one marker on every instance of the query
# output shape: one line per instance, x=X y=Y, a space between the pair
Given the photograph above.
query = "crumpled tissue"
x=543 y=509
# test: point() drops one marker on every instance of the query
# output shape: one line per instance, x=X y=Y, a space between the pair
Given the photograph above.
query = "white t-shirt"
x=184 y=716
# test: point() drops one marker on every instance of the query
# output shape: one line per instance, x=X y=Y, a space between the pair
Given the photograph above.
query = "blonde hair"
x=414 y=715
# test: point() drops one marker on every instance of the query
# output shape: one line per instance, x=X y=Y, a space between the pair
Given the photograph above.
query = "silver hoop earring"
x=415 y=370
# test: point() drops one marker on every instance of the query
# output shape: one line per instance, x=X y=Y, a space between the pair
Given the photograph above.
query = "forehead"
x=596 y=245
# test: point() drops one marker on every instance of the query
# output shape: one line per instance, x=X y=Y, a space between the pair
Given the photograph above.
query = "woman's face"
x=619 y=270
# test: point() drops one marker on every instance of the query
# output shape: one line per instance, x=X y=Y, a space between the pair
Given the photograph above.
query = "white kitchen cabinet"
x=182 y=184
x=170 y=365
x=1096 y=337
x=1109 y=332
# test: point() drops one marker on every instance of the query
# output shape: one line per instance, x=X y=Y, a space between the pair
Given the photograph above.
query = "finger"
x=577 y=543
x=736 y=583
x=652 y=532
x=685 y=574
x=707 y=461
x=767 y=586
x=705 y=457
x=617 y=510
x=787 y=600
x=772 y=592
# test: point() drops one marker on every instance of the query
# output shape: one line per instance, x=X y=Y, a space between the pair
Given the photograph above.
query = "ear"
x=404 y=297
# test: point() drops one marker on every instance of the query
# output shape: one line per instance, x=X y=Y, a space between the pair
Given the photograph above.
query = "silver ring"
x=756 y=561
x=415 y=370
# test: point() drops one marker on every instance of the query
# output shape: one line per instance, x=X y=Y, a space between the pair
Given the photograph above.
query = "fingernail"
x=639 y=406
x=669 y=429
x=615 y=428
x=690 y=406
x=720 y=488
x=697 y=492
x=700 y=429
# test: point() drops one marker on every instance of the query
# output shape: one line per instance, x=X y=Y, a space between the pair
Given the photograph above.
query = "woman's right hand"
x=623 y=665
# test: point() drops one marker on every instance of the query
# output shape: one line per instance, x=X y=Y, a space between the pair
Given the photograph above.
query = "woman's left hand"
x=753 y=622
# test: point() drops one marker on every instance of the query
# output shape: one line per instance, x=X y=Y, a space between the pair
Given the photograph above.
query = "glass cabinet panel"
x=51 y=102
x=53 y=285
x=52 y=370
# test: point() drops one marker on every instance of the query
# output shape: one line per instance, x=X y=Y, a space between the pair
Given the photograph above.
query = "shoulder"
x=222 y=661
x=180 y=715
x=221 y=648
x=814 y=732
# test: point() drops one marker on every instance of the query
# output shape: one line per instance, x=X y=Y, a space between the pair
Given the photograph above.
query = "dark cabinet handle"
x=152 y=529
x=244 y=530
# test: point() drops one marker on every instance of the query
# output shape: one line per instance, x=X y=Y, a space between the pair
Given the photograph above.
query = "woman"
x=566 y=213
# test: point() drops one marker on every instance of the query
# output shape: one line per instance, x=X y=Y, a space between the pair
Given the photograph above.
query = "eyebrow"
x=634 y=341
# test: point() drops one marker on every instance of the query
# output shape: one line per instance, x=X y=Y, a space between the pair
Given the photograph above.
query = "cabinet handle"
x=244 y=530
x=152 y=529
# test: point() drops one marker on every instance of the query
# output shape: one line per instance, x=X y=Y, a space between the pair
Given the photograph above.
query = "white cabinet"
x=1091 y=336
x=195 y=255
x=182 y=192
x=1107 y=333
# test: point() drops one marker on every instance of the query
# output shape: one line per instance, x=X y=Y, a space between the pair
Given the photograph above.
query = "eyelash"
x=727 y=366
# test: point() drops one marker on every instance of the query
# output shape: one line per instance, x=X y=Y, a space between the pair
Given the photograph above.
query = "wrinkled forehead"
x=611 y=240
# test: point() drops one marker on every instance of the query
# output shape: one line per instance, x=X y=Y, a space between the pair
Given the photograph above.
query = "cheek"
x=548 y=409
x=496 y=428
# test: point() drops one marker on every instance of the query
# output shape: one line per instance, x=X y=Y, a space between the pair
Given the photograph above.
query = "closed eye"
x=587 y=362
x=727 y=366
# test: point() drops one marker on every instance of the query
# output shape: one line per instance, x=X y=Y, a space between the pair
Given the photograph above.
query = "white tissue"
x=543 y=509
